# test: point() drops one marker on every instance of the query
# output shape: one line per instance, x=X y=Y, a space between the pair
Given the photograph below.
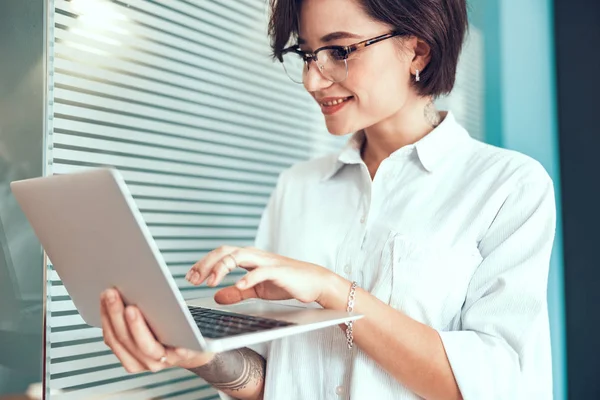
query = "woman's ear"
x=421 y=54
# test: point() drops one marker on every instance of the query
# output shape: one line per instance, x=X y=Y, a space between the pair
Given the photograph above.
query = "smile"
x=331 y=105
x=335 y=102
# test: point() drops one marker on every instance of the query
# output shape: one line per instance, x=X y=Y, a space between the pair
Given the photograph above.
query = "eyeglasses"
x=332 y=61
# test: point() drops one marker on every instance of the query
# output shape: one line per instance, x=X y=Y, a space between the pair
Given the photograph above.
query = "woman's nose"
x=314 y=79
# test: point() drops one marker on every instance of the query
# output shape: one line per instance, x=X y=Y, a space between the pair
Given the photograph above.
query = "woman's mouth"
x=331 y=105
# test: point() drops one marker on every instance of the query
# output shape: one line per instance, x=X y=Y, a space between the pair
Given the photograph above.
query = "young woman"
x=442 y=242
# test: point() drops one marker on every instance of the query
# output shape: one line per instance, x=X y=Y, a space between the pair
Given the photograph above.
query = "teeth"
x=334 y=102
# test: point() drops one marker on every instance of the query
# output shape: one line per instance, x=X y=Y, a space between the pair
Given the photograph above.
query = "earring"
x=417 y=77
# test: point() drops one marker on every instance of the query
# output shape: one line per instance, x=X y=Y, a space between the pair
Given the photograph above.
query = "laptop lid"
x=96 y=238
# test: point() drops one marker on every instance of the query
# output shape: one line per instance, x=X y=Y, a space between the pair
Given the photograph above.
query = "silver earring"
x=417 y=77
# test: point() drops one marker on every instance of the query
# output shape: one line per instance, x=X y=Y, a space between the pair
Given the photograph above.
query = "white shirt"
x=453 y=232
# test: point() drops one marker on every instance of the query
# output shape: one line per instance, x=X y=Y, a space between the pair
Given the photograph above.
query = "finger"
x=200 y=271
x=116 y=314
x=176 y=356
x=221 y=270
x=259 y=275
x=179 y=354
x=129 y=362
x=247 y=258
x=232 y=295
x=145 y=341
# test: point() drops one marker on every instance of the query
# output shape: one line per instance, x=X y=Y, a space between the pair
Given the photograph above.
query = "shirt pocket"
x=430 y=279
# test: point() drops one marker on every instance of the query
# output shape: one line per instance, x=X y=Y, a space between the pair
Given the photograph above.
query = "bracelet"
x=350 y=308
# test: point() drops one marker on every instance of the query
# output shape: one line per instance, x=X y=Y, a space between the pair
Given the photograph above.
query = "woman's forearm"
x=408 y=350
x=238 y=373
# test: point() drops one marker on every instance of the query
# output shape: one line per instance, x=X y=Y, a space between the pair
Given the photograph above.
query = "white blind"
x=183 y=98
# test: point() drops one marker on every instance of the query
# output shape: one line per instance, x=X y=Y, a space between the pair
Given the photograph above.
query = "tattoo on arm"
x=233 y=370
x=432 y=116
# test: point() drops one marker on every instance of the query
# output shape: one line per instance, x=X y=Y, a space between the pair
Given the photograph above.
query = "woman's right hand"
x=127 y=334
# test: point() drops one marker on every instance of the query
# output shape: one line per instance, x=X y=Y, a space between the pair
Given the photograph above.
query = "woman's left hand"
x=270 y=276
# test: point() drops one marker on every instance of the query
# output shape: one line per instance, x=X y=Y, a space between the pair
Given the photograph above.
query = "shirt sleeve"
x=503 y=350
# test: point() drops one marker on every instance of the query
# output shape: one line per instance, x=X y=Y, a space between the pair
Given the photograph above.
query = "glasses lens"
x=294 y=66
x=332 y=64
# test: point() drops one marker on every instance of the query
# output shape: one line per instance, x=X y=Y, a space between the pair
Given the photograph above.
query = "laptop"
x=96 y=238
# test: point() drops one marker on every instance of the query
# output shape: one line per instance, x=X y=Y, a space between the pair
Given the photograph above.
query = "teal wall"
x=521 y=115
x=22 y=119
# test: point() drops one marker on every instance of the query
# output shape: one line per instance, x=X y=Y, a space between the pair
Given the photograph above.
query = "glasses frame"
x=345 y=52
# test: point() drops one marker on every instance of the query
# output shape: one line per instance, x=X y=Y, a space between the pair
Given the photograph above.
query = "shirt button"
x=339 y=390
x=362 y=220
x=347 y=269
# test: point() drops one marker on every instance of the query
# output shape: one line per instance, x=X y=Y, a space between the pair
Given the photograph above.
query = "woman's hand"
x=271 y=277
x=127 y=334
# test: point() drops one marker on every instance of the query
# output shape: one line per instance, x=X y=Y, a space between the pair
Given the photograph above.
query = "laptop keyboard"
x=216 y=324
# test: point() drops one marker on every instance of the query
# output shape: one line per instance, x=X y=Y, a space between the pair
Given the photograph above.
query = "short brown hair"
x=442 y=24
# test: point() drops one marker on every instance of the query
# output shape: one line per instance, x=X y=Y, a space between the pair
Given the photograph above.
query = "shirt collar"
x=432 y=149
x=441 y=143
x=350 y=154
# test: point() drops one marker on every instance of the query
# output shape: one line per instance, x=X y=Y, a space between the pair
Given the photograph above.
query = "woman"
x=442 y=242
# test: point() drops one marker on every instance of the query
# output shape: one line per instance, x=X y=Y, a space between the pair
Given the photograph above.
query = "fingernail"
x=131 y=313
x=187 y=276
x=195 y=277
x=182 y=352
x=110 y=297
x=210 y=280
x=241 y=284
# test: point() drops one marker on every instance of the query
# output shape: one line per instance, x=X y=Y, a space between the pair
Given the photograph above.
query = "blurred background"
x=182 y=97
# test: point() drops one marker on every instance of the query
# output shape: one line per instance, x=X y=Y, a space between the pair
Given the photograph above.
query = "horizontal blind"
x=183 y=98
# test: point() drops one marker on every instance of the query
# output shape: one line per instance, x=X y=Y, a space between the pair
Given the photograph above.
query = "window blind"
x=183 y=98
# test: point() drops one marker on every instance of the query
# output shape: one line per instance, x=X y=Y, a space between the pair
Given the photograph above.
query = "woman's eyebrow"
x=330 y=37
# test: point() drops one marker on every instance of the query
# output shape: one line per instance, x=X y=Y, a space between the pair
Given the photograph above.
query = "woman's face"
x=379 y=75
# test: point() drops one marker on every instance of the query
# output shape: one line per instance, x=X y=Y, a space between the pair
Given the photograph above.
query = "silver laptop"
x=96 y=238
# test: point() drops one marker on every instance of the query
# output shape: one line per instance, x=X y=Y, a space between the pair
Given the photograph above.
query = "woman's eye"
x=338 y=54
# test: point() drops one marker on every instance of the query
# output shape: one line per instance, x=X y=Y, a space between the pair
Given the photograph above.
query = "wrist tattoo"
x=233 y=370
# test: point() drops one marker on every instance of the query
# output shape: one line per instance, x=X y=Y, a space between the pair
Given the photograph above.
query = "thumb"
x=232 y=295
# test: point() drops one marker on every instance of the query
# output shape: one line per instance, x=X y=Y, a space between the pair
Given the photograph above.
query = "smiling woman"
x=440 y=241
x=419 y=63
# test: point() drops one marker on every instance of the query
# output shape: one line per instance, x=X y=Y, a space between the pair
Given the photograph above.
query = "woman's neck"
x=406 y=127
